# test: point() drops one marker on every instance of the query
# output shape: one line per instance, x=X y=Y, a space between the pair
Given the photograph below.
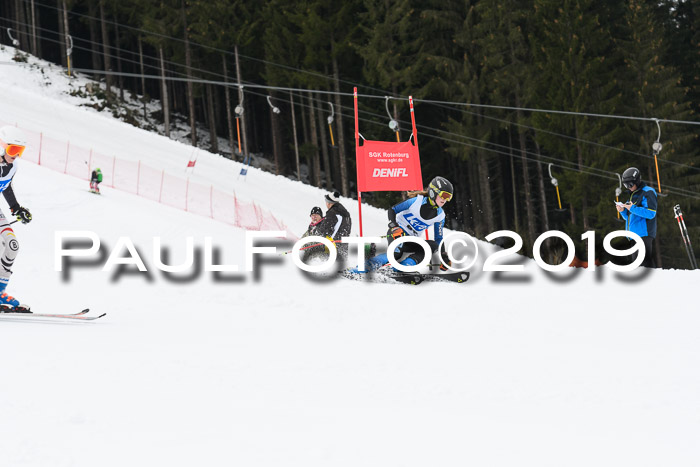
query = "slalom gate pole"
x=685 y=235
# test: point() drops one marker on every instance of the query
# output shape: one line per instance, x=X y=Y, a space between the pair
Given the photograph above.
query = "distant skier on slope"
x=13 y=143
x=95 y=181
x=411 y=217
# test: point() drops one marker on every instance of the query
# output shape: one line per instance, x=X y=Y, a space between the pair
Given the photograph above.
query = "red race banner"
x=387 y=166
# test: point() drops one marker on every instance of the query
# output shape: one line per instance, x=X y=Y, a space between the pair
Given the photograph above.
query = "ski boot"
x=8 y=303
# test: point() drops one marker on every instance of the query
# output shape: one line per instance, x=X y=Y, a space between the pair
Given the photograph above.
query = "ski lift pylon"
x=14 y=41
x=330 y=121
x=555 y=182
x=656 y=147
x=393 y=124
x=239 y=113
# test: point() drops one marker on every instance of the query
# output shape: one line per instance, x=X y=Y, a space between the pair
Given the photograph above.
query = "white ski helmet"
x=12 y=135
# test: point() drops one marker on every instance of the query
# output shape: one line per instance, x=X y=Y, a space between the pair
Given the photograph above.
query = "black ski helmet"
x=439 y=185
x=316 y=210
x=631 y=177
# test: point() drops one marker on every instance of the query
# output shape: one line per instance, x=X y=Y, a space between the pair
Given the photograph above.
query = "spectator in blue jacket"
x=640 y=212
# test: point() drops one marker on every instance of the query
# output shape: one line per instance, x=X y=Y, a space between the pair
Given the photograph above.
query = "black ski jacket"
x=336 y=224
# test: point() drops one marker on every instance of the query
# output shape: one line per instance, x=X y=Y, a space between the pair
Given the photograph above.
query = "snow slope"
x=280 y=369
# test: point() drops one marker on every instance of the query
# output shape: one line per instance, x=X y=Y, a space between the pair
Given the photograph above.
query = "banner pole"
x=357 y=150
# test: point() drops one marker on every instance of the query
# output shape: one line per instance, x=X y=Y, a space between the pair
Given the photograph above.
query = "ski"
x=411 y=278
x=81 y=315
x=458 y=277
x=417 y=278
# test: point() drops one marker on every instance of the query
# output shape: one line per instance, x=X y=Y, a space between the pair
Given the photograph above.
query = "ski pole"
x=5 y=225
x=309 y=246
x=318 y=244
x=685 y=235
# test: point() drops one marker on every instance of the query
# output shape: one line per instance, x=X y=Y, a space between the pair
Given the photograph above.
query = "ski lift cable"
x=553 y=133
x=374 y=96
x=605 y=174
x=425 y=101
x=526 y=109
x=214 y=49
x=558 y=112
x=568 y=165
x=216 y=74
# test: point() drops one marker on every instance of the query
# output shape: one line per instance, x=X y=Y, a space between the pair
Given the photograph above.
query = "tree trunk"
x=584 y=194
x=164 y=93
x=143 y=80
x=21 y=30
x=120 y=78
x=105 y=50
x=502 y=197
x=212 y=120
x=324 y=148
x=280 y=167
x=464 y=197
x=94 y=39
x=294 y=133
x=37 y=16
x=513 y=183
x=66 y=32
x=315 y=159
x=342 y=156
x=229 y=112
x=33 y=30
x=240 y=99
x=475 y=199
x=188 y=72
x=304 y=124
x=486 y=201
x=543 y=194
x=61 y=30
x=529 y=208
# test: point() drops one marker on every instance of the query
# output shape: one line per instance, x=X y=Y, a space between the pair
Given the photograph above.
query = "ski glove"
x=395 y=231
x=22 y=214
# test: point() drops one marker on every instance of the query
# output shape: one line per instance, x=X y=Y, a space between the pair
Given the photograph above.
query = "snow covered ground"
x=278 y=369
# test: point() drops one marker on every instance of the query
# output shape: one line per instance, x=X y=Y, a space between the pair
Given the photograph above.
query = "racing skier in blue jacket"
x=412 y=217
x=640 y=212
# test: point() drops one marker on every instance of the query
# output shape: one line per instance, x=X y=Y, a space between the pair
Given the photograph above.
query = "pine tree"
x=655 y=90
x=576 y=69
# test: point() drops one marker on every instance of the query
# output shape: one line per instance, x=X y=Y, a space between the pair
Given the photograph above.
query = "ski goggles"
x=628 y=185
x=14 y=150
x=446 y=195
